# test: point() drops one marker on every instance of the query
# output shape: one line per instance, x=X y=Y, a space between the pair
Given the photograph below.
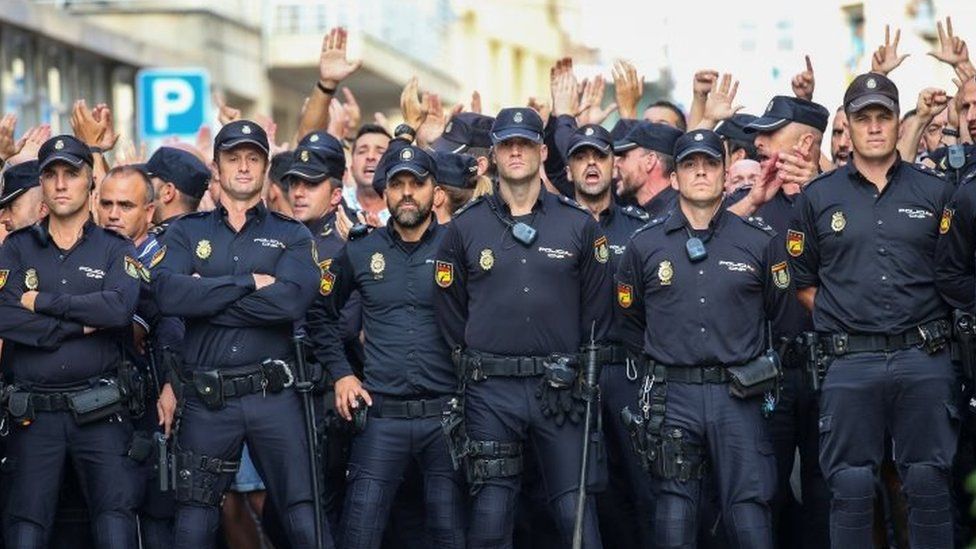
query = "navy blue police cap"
x=517 y=122
x=456 y=170
x=181 y=168
x=698 y=141
x=590 y=135
x=464 y=130
x=648 y=135
x=241 y=132
x=784 y=109
x=63 y=148
x=17 y=180
x=318 y=157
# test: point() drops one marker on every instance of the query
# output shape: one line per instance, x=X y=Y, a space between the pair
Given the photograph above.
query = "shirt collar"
x=394 y=237
x=856 y=175
x=677 y=220
x=43 y=234
x=540 y=202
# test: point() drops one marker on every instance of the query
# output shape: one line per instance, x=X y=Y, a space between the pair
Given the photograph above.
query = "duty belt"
x=686 y=374
x=56 y=399
x=934 y=333
x=393 y=408
x=612 y=354
x=480 y=366
x=245 y=380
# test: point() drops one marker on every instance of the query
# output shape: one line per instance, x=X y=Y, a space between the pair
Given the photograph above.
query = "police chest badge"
x=838 y=222
x=625 y=295
x=444 y=274
x=781 y=275
x=30 y=280
x=377 y=264
x=665 y=272
x=4 y=273
x=600 y=250
x=204 y=249
x=946 y=221
x=487 y=259
x=794 y=243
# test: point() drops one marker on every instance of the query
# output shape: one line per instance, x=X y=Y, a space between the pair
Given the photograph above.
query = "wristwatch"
x=950 y=132
x=405 y=132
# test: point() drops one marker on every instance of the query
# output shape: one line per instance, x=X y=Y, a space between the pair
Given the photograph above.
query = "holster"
x=209 y=387
x=964 y=330
x=133 y=386
x=679 y=458
x=97 y=403
x=817 y=358
x=756 y=377
x=20 y=409
x=277 y=374
x=452 y=423
x=359 y=416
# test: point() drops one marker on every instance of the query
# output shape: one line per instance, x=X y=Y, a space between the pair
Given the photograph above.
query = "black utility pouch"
x=756 y=377
x=20 y=408
x=97 y=403
x=210 y=388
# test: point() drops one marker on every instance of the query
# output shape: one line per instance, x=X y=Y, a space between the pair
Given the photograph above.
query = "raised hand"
x=225 y=113
x=886 y=58
x=719 y=106
x=334 y=67
x=951 y=50
x=33 y=139
x=564 y=88
x=804 y=82
x=8 y=146
x=628 y=86
x=413 y=109
x=931 y=101
x=591 y=109
x=433 y=126
x=703 y=82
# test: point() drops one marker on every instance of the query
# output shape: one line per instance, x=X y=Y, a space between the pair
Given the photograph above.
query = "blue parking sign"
x=171 y=102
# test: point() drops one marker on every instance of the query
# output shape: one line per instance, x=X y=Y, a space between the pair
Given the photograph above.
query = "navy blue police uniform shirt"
x=497 y=296
x=329 y=243
x=778 y=213
x=95 y=284
x=955 y=253
x=228 y=322
x=704 y=313
x=619 y=223
x=167 y=332
x=871 y=255
x=406 y=355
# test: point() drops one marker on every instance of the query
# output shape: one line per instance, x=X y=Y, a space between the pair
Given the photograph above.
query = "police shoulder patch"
x=4 y=274
x=133 y=267
x=636 y=213
x=157 y=257
x=946 y=220
x=326 y=282
x=652 y=223
x=794 y=242
x=444 y=273
x=625 y=295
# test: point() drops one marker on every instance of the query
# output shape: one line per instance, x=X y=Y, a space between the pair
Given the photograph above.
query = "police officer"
x=409 y=377
x=717 y=279
x=468 y=133
x=457 y=177
x=314 y=190
x=863 y=250
x=21 y=203
x=240 y=276
x=522 y=278
x=791 y=125
x=179 y=181
x=625 y=509
x=644 y=166
x=68 y=292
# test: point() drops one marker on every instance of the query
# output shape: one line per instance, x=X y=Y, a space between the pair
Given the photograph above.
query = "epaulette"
x=468 y=206
x=280 y=215
x=570 y=202
x=820 y=177
x=636 y=213
x=652 y=223
x=758 y=223
x=193 y=215
x=926 y=170
x=158 y=230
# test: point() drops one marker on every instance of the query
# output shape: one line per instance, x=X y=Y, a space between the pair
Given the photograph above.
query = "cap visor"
x=694 y=150
x=61 y=157
x=871 y=99
x=601 y=146
x=498 y=137
x=444 y=145
x=765 y=124
x=411 y=168
x=226 y=146
x=317 y=177
x=620 y=147
x=6 y=199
